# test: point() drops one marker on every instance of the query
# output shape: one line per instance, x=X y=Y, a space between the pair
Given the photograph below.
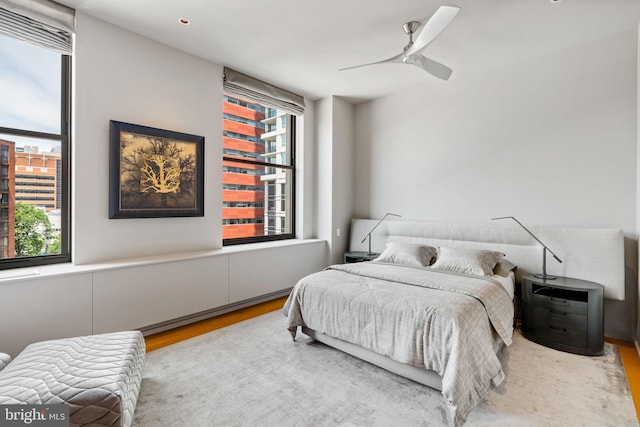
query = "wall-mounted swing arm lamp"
x=544 y=274
x=374 y=227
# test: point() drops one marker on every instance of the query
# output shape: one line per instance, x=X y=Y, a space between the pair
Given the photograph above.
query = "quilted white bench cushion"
x=98 y=376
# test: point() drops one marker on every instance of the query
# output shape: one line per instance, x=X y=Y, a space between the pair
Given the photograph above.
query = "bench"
x=97 y=376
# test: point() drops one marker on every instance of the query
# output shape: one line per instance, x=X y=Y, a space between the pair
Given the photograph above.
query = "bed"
x=438 y=305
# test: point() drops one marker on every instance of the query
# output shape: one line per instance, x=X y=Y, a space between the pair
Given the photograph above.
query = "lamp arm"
x=532 y=235
x=376 y=226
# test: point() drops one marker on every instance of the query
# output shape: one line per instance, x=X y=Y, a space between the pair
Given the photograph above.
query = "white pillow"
x=477 y=262
x=408 y=254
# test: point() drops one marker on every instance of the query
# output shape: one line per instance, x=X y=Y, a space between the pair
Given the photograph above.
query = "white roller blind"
x=236 y=83
x=42 y=22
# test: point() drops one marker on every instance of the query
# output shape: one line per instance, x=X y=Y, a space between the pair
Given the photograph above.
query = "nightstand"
x=358 y=256
x=564 y=313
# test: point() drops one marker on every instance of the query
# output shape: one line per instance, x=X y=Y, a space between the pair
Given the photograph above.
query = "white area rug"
x=253 y=374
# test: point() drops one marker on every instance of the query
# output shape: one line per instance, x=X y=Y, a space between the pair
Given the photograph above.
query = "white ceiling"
x=300 y=44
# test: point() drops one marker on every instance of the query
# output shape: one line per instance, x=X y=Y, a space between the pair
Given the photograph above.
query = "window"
x=34 y=135
x=258 y=183
x=257 y=171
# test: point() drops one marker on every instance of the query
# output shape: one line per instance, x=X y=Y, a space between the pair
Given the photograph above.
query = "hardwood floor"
x=631 y=363
x=628 y=351
x=173 y=336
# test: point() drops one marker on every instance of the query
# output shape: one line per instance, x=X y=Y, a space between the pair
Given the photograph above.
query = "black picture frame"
x=154 y=173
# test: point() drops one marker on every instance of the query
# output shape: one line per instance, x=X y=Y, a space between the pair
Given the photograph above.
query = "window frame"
x=291 y=166
x=65 y=154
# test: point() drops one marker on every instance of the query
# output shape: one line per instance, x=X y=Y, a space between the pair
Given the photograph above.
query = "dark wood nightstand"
x=358 y=256
x=566 y=314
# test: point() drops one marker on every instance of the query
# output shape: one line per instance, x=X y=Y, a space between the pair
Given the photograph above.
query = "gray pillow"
x=4 y=360
x=412 y=254
x=504 y=267
x=477 y=262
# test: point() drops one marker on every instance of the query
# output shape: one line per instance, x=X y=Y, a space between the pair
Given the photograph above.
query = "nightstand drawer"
x=548 y=334
x=560 y=303
x=545 y=316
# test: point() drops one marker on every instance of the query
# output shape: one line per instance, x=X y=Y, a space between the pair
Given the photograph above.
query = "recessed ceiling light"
x=184 y=21
x=554 y=1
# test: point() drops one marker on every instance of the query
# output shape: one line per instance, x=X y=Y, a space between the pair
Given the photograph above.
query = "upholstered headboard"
x=594 y=254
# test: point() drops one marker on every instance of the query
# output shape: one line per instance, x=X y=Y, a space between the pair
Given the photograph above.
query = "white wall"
x=335 y=187
x=551 y=140
x=343 y=179
x=122 y=76
x=324 y=172
x=165 y=269
x=305 y=178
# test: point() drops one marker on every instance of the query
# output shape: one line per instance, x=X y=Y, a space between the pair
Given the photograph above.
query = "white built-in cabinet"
x=83 y=300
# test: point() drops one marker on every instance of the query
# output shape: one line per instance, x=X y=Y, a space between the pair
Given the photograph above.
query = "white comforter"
x=450 y=323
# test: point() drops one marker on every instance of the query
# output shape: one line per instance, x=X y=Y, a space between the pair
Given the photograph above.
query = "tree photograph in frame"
x=154 y=173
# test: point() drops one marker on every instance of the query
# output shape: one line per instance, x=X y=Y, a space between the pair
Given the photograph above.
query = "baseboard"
x=207 y=314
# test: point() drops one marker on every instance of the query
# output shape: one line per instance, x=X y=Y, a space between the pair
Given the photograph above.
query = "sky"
x=29 y=90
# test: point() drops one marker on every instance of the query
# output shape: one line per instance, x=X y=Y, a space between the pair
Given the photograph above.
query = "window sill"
x=47 y=271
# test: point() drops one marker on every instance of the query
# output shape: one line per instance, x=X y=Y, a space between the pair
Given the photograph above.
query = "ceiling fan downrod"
x=409 y=28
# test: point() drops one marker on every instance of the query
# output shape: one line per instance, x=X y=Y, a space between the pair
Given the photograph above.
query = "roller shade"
x=41 y=22
x=236 y=83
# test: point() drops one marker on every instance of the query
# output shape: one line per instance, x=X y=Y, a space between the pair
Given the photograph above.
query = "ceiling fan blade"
x=394 y=59
x=432 y=29
x=434 y=68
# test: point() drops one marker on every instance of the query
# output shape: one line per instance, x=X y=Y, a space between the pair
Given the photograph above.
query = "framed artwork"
x=154 y=173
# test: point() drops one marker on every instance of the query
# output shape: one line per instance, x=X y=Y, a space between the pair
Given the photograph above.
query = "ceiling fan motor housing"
x=411 y=27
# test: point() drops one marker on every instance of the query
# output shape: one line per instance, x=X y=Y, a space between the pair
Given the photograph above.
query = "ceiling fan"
x=412 y=52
